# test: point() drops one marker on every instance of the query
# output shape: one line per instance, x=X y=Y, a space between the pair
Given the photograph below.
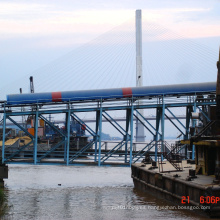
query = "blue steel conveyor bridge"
x=163 y=99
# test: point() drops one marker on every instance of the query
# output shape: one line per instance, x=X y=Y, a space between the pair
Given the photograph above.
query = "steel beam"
x=131 y=131
x=51 y=125
x=35 y=135
x=79 y=153
x=18 y=151
x=100 y=133
x=68 y=136
x=126 y=136
x=116 y=107
x=114 y=125
x=193 y=125
x=51 y=150
x=140 y=154
x=112 y=151
x=158 y=120
x=3 y=138
x=176 y=118
x=208 y=119
x=83 y=123
x=143 y=124
x=174 y=124
x=162 y=126
x=19 y=126
x=96 y=137
x=147 y=122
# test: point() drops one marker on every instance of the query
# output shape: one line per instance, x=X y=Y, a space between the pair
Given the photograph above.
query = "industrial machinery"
x=49 y=136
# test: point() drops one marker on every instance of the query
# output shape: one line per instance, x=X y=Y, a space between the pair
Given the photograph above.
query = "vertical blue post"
x=97 y=133
x=68 y=136
x=126 y=147
x=100 y=133
x=162 y=127
x=186 y=136
x=194 y=124
x=65 y=155
x=158 y=117
x=3 y=140
x=35 y=135
x=126 y=137
x=131 y=130
x=96 y=139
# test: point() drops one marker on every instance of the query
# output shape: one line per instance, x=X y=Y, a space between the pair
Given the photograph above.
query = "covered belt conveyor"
x=117 y=93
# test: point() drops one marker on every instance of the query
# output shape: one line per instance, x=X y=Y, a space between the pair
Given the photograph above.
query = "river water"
x=61 y=193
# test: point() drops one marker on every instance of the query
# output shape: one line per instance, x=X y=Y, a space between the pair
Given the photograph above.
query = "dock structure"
x=184 y=188
x=196 y=184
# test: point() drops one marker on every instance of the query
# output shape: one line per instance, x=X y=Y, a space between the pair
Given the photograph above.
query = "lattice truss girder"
x=94 y=148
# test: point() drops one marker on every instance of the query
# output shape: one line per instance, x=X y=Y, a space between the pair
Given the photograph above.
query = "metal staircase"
x=171 y=156
x=174 y=160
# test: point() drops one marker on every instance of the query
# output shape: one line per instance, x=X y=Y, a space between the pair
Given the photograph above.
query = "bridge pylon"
x=139 y=78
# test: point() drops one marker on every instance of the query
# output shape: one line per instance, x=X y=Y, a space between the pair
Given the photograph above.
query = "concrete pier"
x=3 y=174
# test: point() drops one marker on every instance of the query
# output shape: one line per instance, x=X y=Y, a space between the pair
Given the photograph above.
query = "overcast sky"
x=34 y=33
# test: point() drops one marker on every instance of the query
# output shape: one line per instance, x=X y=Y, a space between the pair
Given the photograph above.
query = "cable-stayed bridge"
x=110 y=62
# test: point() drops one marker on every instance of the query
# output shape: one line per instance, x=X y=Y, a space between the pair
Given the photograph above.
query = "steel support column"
x=126 y=136
x=158 y=118
x=96 y=137
x=193 y=125
x=188 y=117
x=3 y=137
x=100 y=133
x=35 y=135
x=131 y=131
x=68 y=135
x=162 y=125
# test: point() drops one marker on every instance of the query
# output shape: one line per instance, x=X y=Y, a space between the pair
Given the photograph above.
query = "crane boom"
x=31 y=84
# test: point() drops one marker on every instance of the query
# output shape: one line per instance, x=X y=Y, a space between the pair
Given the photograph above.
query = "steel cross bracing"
x=123 y=153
